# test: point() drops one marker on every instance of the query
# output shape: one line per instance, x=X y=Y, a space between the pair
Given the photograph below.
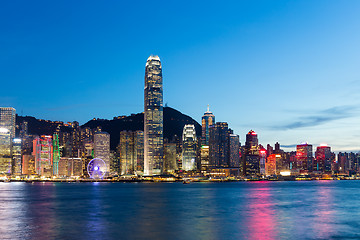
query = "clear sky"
x=289 y=70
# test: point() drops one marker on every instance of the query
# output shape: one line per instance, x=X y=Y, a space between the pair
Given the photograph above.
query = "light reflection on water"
x=242 y=210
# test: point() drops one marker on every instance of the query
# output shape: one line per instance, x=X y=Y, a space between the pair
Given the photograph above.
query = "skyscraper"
x=189 y=148
x=304 y=157
x=16 y=155
x=5 y=151
x=43 y=152
x=219 y=149
x=252 y=159
x=7 y=119
x=323 y=159
x=206 y=121
x=102 y=148
x=153 y=117
x=234 y=150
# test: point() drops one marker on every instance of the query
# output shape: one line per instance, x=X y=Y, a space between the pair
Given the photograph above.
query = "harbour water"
x=229 y=210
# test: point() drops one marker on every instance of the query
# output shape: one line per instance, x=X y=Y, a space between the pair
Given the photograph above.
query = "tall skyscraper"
x=5 y=151
x=234 y=150
x=7 y=119
x=189 y=148
x=304 y=157
x=252 y=158
x=219 y=149
x=323 y=159
x=206 y=121
x=102 y=148
x=43 y=152
x=16 y=155
x=153 y=117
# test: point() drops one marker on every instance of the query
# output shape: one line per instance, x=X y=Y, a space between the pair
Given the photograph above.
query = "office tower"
x=102 y=148
x=56 y=154
x=342 y=160
x=114 y=163
x=170 y=156
x=234 y=150
x=277 y=148
x=189 y=148
x=205 y=158
x=262 y=158
x=86 y=134
x=153 y=117
x=322 y=161
x=23 y=129
x=75 y=139
x=139 y=152
x=273 y=165
x=7 y=119
x=251 y=158
x=304 y=157
x=43 y=152
x=131 y=152
x=28 y=165
x=219 y=149
x=127 y=153
x=16 y=157
x=63 y=167
x=5 y=151
x=206 y=121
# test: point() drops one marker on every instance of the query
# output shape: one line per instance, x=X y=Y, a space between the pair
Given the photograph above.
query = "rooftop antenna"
x=208 y=108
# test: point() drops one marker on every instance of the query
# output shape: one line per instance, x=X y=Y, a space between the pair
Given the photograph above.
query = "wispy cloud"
x=324 y=116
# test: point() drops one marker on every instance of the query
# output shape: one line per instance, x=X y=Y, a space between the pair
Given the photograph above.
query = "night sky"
x=289 y=70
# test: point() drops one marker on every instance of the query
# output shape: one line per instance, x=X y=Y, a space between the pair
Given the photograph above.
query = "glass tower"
x=189 y=143
x=207 y=120
x=153 y=118
x=7 y=119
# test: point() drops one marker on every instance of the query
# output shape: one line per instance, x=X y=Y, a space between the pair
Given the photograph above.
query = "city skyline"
x=287 y=70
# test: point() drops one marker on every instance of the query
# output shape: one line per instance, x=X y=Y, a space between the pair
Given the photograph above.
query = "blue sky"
x=287 y=69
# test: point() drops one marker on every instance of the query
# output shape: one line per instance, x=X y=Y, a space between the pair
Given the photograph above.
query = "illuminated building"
x=102 y=148
x=127 y=153
x=251 y=158
x=234 y=150
x=273 y=165
x=5 y=151
x=304 y=157
x=28 y=165
x=153 y=117
x=322 y=161
x=262 y=156
x=219 y=149
x=342 y=161
x=204 y=154
x=139 y=151
x=170 y=157
x=43 y=152
x=16 y=157
x=114 y=163
x=206 y=121
x=7 y=119
x=70 y=167
x=131 y=152
x=189 y=148
x=56 y=154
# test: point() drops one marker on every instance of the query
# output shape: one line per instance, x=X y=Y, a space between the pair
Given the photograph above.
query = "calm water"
x=241 y=210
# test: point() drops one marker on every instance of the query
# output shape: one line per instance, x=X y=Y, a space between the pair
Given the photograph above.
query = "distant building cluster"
x=217 y=154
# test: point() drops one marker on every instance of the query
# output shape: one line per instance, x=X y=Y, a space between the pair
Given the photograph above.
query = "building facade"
x=7 y=119
x=153 y=117
x=189 y=148
x=102 y=148
x=206 y=121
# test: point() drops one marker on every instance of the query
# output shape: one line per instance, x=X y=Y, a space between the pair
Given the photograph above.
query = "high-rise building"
x=219 y=149
x=153 y=117
x=28 y=165
x=16 y=157
x=189 y=148
x=102 y=148
x=170 y=156
x=273 y=165
x=139 y=152
x=251 y=158
x=206 y=121
x=56 y=154
x=234 y=151
x=263 y=156
x=43 y=152
x=322 y=161
x=5 y=151
x=7 y=119
x=304 y=157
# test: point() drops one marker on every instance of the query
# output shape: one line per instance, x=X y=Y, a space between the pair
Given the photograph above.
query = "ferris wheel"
x=96 y=168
